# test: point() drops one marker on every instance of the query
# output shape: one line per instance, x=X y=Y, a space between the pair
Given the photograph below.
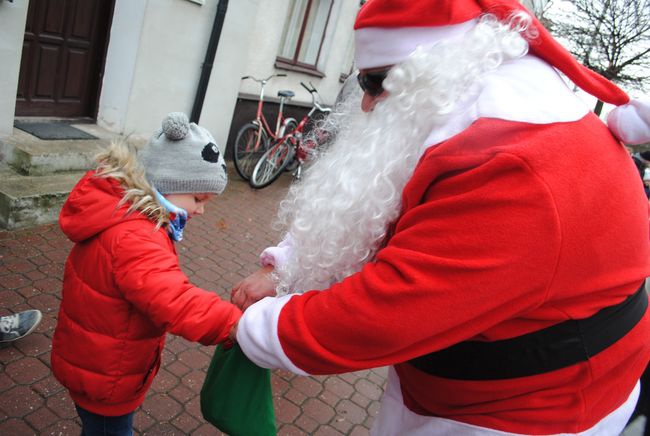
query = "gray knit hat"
x=183 y=158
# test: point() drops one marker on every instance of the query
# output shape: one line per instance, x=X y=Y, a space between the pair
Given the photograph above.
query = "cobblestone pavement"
x=220 y=249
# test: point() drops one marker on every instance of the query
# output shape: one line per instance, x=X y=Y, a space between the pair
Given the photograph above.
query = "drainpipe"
x=206 y=70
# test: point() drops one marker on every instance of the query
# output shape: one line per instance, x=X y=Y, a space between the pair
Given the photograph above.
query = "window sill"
x=282 y=65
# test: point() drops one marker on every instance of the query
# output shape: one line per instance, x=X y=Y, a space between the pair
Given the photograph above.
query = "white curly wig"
x=338 y=215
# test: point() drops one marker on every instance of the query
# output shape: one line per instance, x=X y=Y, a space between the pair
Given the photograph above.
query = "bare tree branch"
x=612 y=37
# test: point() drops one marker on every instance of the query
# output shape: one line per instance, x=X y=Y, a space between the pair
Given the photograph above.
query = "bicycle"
x=253 y=138
x=290 y=147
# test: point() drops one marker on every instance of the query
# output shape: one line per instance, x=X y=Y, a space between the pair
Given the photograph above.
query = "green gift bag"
x=236 y=395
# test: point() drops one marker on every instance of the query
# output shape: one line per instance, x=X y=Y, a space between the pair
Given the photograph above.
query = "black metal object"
x=210 y=53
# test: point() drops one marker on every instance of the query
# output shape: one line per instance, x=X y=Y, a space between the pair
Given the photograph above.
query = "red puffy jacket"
x=123 y=290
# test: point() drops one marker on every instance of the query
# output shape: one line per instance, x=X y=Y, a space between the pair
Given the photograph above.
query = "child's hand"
x=253 y=288
x=232 y=336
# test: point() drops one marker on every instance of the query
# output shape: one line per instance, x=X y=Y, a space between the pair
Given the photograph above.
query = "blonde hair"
x=120 y=162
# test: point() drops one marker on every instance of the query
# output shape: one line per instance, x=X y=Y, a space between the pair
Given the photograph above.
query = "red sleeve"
x=150 y=277
x=480 y=248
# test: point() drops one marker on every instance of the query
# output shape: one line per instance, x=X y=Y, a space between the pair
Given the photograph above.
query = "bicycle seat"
x=286 y=93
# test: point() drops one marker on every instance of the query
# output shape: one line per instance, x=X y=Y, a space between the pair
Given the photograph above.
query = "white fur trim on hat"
x=380 y=46
x=631 y=122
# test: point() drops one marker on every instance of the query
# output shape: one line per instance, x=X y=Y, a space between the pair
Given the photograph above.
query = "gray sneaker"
x=18 y=325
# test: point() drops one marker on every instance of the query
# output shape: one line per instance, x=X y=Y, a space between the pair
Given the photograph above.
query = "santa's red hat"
x=387 y=32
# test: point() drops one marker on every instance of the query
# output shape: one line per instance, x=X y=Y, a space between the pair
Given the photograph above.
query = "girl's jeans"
x=99 y=425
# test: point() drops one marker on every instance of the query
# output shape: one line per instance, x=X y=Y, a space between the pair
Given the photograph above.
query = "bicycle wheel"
x=271 y=164
x=245 y=155
x=290 y=127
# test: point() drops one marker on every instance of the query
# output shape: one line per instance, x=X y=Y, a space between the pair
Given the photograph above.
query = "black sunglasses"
x=372 y=82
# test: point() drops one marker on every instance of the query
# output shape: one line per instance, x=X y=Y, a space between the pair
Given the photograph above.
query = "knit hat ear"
x=183 y=158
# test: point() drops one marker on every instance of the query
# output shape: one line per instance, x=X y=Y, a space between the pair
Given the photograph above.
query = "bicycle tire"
x=291 y=125
x=244 y=155
x=271 y=164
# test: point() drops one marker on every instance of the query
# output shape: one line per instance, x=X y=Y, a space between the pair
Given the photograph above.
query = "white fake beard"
x=339 y=214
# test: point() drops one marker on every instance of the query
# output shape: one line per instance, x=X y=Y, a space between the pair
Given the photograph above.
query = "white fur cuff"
x=631 y=122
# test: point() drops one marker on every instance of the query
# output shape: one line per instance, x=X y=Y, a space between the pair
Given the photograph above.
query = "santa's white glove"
x=631 y=122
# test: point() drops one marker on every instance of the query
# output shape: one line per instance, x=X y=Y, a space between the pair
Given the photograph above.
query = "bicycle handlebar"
x=315 y=97
x=312 y=90
x=264 y=80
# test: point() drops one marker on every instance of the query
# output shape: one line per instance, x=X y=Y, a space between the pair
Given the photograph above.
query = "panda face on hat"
x=183 y=157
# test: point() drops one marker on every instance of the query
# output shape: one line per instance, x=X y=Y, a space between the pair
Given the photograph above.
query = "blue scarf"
x=177 y=217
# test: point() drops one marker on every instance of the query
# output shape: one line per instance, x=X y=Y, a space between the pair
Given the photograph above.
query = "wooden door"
x=63 y=56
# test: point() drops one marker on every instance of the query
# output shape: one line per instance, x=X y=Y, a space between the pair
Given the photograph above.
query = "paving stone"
x=61 y=404
x=194 y=358
x=327 y=431
x=194 y=380
x=206 y=430
x=9 y=352
x=342 y=424
x=11 y=299
x=163 y=429
x=29 y=291
x=142 y=421
x=35 y=344
x=47 y=285
x=368 y=389
x=48 y=387
x=359 y=431
x=164 y=381
x=309 y=386
x=306 y=424
x=278 y=385
x=185 y=423
x=40 y=419
x=19 y=401
x=193 y=407
x=5 y=381
x=15 y=427
x=338 y=387
x=182 y=393
x=329 y=398
x=19 y=265
x=295 y=396
x=27 y=370
x=162 y=407
x=285 y=410
x=351 y=412
x=360 y=399
x=291 y=430
x=318 y=410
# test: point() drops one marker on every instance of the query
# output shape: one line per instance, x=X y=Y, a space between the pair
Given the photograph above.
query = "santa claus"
x=473 y=225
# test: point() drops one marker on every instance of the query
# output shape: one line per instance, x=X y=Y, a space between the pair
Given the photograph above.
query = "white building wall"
x=121 y=58
x=172 y=48
x=229 y=66
x=12 y=31
x=154 y=60
x=265 y=41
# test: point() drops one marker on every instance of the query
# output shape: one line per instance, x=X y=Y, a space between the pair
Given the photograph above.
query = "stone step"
x=37 y=175
x=27 y=201
x=32 y=156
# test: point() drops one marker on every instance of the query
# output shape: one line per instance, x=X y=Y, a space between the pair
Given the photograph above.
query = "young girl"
x=123 y=288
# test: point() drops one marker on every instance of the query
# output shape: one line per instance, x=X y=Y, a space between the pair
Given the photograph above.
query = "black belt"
x=545 y=350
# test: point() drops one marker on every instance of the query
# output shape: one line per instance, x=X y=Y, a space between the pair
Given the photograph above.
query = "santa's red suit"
x=523 y=213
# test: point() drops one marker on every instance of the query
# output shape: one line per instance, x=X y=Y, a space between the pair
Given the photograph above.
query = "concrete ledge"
x=32 y=156
x=27 y=201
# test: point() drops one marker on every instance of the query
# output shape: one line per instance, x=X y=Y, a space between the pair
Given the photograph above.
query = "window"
x=303 y=35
